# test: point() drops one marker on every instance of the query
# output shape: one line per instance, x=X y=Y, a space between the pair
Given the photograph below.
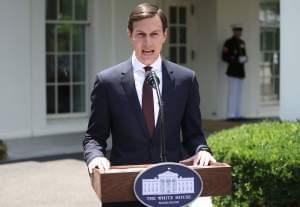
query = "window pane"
x=79 y=98
x=63 y=68
x=50 y=100
x=182 y=35
x=263 y=45
x=182 y=55
x=78 y=38
x=65 y=8
x=51 y=9
x=173 y=35
x=173 y=15
x=63 y=99
x=78 y=68
x=269 y=40
x=261 y=41
x=173 y=54
x=182 y=15
x=50 y=67
x=80 y=9
x=63 y=37
x=50 y=38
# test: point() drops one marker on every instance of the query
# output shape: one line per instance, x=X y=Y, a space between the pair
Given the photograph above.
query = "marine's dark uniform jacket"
x=233 y=49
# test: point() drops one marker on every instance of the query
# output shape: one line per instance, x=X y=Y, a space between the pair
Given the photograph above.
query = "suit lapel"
x=167 y=91
x=127 y=81
x=168 y=82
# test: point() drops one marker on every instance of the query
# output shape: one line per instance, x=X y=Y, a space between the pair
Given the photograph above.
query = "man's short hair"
x=144 y=11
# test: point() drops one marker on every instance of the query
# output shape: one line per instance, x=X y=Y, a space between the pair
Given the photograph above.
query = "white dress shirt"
x=139 y=78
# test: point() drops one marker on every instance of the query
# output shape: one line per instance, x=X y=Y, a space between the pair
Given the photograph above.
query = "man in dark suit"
x=120 y=106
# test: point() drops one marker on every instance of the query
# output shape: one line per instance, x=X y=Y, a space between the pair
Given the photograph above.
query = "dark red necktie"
x=147 y=104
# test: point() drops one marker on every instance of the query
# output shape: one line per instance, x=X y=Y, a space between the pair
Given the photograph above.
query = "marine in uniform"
x=234 y=53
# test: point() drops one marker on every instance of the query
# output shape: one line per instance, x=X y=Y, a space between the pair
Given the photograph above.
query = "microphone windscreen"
x=151 y=77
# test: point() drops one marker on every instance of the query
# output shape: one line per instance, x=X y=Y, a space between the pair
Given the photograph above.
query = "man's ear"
x=129 y=33
x=165 y=33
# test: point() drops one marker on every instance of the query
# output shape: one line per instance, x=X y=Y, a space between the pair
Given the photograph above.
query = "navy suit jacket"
x=116 y=110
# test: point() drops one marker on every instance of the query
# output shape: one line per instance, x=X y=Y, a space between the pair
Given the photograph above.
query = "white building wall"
x=289 y=62
x=206 y=55
x=246 y=13
x=15 y=68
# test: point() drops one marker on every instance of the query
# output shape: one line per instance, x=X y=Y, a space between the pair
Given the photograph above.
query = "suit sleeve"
x=94 y=143
x=192 y=133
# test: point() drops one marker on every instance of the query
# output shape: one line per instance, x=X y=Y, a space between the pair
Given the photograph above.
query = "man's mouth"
x=148 y=52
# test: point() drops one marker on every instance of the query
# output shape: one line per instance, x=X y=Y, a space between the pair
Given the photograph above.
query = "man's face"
x=147 y=38
x=237 y=32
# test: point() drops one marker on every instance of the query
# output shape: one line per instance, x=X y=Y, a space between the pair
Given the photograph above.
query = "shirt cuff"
x=203 y=148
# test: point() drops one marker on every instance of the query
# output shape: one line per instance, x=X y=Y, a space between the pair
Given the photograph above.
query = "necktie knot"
x=147 y=68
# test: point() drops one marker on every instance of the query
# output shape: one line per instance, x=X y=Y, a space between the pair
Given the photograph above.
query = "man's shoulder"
x=115 y=70
x=178 y=69
x=229 y=40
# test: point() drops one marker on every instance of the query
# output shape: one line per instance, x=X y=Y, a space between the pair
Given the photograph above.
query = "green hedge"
x=3 y=149
x=265 y=160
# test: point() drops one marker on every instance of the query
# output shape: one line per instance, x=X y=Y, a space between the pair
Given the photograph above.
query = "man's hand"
x=99 y=162
x=201 y=158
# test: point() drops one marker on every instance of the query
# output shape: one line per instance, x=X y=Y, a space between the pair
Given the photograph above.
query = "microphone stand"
x=154 y=82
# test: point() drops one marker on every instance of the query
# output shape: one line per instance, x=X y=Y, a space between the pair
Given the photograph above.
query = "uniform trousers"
x=234 y=97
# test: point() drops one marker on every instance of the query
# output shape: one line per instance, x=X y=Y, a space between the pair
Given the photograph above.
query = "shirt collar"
x=138 y=66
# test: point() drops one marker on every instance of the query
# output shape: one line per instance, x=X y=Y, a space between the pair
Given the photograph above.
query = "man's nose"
x=148 y=40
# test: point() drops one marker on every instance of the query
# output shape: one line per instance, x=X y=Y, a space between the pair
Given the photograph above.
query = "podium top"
x=116 y=184
x=138 y=168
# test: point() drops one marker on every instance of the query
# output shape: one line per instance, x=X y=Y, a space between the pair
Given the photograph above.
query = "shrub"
x=3 y=149
x=265 y=160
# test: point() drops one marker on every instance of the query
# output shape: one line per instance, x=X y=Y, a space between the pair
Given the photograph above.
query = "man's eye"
x=140 y=34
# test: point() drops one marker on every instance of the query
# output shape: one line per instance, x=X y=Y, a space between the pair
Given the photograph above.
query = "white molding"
x=38 y=65
x=289 y=60
x=15 y=135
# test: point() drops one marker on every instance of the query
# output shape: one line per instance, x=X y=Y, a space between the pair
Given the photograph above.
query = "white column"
x=290 y=60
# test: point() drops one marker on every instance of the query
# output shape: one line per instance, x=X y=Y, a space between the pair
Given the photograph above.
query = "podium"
x=116 y=184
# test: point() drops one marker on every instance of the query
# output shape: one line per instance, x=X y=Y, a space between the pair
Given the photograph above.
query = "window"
x=269 y=17
x=66 y=22
x=178 y=34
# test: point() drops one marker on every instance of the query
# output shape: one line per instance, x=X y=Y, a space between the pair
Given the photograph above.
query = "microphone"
x=152 y=79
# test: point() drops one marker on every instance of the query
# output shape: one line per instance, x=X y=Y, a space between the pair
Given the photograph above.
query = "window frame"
x=271 y=25
x=70 y=53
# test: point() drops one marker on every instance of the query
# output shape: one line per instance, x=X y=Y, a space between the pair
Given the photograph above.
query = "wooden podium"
x=116 y=184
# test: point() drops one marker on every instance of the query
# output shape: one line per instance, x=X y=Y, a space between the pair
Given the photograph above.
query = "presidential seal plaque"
x=168 y=184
